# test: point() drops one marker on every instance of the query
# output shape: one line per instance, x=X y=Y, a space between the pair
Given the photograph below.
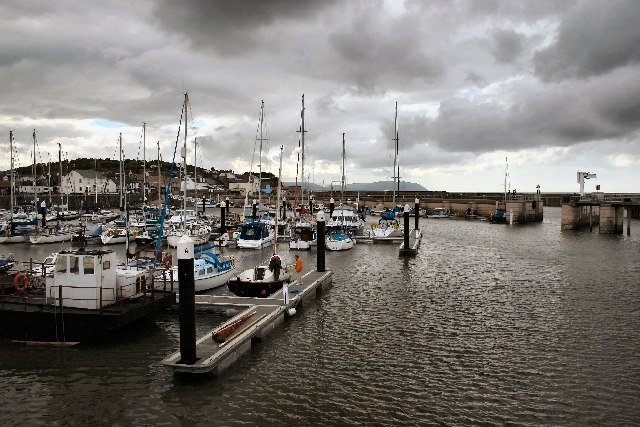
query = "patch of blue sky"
x=107 y=123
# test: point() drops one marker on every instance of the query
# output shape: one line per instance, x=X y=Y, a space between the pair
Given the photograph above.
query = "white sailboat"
x=388 y=228
x=303 y=229
x=8 y=232
x=340 y=237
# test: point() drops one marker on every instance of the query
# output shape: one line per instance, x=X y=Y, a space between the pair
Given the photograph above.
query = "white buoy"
x=291 y=311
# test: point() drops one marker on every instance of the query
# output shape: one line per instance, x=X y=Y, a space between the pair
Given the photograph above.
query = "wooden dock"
x=259 y=316
x=415 y=236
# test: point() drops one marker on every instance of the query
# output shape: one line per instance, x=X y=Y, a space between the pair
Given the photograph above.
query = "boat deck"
x=264 y=314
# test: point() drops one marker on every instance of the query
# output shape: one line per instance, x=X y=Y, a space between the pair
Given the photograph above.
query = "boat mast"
x=506 y=174
x=49 y=181
x=275 y=228
x=159 y=177
x=343 y=163
x=60 y=162
x=260 y=154
x=144 y=164
x=302 y=131
x=184 y=165
x=13 y=180
x=95 y=163
x=121 y=172
x=396 y=160
x=35 y=173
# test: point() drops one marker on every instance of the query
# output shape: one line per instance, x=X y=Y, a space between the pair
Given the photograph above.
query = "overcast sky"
x=554 y=86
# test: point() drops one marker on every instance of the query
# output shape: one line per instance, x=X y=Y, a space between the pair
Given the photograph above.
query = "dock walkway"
x=262 y=315
x=414 y=242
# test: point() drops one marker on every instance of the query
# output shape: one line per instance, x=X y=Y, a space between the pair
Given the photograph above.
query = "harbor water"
x=487 y=325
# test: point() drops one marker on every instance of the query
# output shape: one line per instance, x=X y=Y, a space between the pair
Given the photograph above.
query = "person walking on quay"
x=299 y=267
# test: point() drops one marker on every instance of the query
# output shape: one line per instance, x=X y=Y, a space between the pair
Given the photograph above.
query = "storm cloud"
x=551 y=85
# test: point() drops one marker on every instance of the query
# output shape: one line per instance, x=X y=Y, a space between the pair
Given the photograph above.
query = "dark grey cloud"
x=229 y=27
x=594 y=38
x=507 y=45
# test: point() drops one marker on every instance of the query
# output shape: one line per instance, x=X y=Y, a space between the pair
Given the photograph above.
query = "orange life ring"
x=25 y=282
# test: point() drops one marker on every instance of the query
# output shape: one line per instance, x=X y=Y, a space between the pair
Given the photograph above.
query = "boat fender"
x=7 y=231
x=374 y=225
x=395 y=226
x=233 y=261
x=21 y=281
x=291 y=311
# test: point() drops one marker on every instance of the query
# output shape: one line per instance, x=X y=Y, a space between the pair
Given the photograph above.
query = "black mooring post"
x=332 y=206
x=406 y=227
x=320 y=267
x=186 y=286
x=204 y=208
x=228 y=204
x=417 y=212
x=44 y=214
x=311 y=205
x=254 y=212
x=222 y=218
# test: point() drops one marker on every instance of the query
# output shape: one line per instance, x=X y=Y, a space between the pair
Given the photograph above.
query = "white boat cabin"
x=88 y=279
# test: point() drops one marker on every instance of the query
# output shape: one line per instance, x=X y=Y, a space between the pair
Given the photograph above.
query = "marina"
x=476 y=319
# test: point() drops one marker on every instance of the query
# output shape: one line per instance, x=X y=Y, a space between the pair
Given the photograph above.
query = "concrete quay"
x=608 y=215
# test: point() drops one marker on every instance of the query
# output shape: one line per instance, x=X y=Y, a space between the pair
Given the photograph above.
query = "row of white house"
x=94 y=182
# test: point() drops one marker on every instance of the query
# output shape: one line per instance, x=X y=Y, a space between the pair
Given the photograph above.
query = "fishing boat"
x=83 y=299
x=267 y=278
x=210 y=269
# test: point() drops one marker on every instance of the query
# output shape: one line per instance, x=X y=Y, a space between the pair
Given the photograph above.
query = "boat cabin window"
x=106 y=265
x=87 y=264
x=210 y=270
x=61 y=264
x=74 y=264
x=201 y=273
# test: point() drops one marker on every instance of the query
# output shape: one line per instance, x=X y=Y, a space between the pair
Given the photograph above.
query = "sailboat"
x=8 y=232
x=388 y=228
x=257 y=234
x=197 y=230
x=261 y=280
x=303 y=230
x=340 y=238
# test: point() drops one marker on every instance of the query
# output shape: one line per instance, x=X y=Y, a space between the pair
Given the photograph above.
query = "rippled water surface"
x=488 y=325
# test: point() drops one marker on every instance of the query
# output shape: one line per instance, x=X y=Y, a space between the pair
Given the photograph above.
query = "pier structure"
x=608 y=215
x=255 y=319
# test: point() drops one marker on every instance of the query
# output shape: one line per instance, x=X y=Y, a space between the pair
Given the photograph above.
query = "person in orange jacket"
x=299 y=267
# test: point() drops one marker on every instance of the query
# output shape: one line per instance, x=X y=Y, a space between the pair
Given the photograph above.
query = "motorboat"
x=210 y=269
x=339 y=240
x=255 y=235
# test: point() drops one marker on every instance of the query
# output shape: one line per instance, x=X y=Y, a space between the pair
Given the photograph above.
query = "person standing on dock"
x=299 y=267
